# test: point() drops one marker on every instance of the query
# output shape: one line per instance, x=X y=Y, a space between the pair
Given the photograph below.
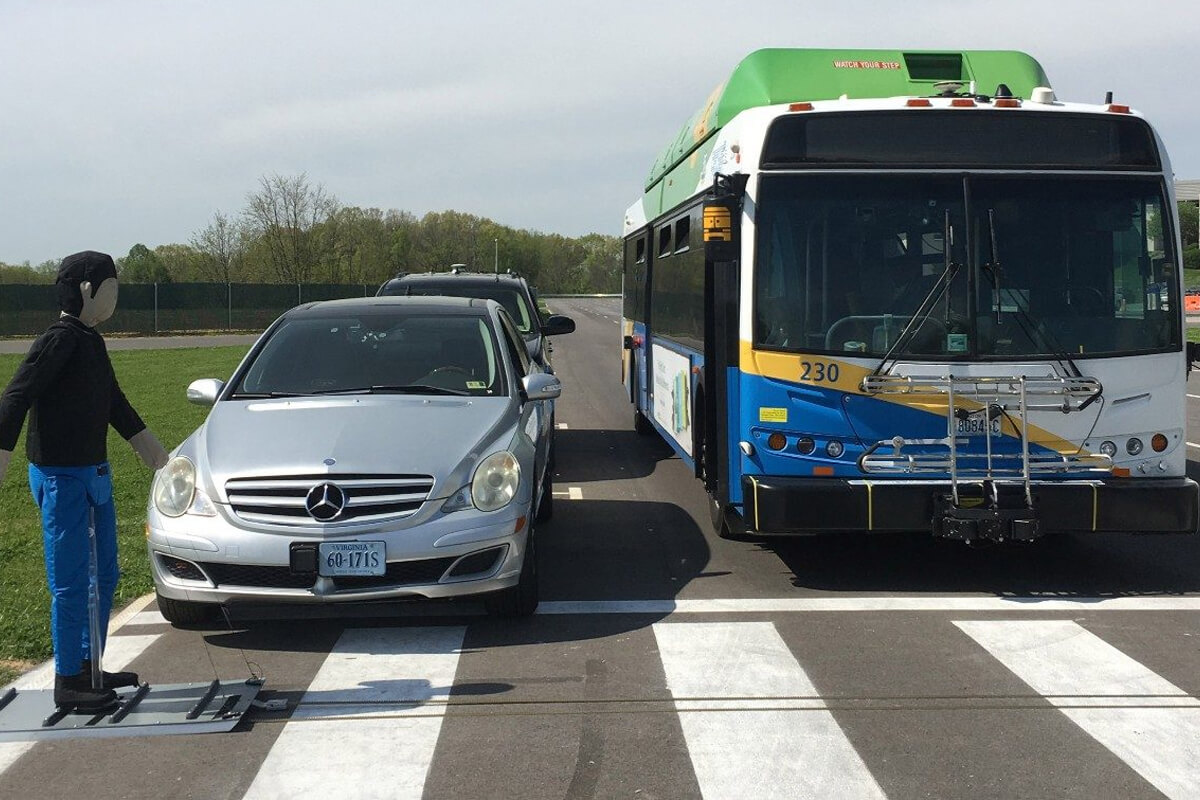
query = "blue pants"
x=69 y=497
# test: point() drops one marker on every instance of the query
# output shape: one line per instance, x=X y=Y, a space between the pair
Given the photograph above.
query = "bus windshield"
x=982 y=267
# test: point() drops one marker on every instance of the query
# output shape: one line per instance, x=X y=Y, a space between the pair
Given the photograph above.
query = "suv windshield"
x=1036 y=265
x=512 y=299
x=390 y=351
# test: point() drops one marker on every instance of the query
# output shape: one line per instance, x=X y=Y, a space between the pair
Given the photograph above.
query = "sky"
x=134 y=122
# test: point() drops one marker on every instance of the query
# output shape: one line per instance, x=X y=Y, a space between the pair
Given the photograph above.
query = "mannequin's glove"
x=5 y=456
x=146 y=445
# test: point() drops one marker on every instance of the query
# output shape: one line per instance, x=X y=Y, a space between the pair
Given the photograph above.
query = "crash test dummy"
x=67 y=387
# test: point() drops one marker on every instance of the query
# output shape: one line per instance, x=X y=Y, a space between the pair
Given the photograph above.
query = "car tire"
x=545 y=509
x=521 y=600
x=182 y=612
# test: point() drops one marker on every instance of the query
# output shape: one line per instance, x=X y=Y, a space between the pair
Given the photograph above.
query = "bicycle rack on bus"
x=991 y=494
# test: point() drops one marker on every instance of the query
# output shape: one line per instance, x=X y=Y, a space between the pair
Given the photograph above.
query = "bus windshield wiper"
x=925 y=309
x=1024 y=320
x=405 y=388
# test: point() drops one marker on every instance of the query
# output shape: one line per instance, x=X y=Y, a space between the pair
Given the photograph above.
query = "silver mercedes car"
x=388 y=447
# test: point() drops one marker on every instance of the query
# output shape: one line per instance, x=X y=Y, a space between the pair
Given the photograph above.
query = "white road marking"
x=121 y=651
x=575 y=493
x=147 y=618
x=1194 y=396
x=1193 y=444
x=868 y=604
x=1145 y=720
x=369 y=722
x=562 y=426
x=792 y=749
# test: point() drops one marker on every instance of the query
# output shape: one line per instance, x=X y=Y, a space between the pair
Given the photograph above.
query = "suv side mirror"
x=205 y=391
x=541 y=386
x=557 y=324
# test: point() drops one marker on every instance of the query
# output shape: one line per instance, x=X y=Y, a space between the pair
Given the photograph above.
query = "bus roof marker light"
x=1043 y=95
x=1006 y=102
x=962 y=102
x=800 y=107
x=1118 y=108
x=918 y=102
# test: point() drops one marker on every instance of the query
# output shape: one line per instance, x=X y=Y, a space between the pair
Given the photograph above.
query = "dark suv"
x=508 y=289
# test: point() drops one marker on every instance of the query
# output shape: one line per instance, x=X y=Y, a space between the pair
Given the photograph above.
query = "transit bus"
x=908 y=290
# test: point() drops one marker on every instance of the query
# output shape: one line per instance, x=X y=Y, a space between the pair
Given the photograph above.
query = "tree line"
x=294 y=231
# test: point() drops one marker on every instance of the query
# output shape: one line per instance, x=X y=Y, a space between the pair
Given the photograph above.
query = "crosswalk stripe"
x=121 y=651
x=369 y=722
x=719 y=674
x=147 y=618
x=770 y=605
x=1144 y=719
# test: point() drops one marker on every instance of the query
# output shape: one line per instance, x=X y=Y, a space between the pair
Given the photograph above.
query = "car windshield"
x=377 y=352
x=975 y=267
x=514 y=301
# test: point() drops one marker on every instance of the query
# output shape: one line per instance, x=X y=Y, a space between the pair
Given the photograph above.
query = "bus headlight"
x=1108 y=448
x=174 y=487
x=1133 y=446
x=834 y=449
x=496 y=480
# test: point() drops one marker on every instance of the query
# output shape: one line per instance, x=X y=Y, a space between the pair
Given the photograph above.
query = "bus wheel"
x=642 y=424
x=720 y=523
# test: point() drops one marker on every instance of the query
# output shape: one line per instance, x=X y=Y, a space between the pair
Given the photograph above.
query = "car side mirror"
x=557 y=324
x=205 y=391
x=541 y=386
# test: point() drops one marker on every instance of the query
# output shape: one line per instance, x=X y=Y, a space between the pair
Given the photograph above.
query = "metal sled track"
x=178 y=708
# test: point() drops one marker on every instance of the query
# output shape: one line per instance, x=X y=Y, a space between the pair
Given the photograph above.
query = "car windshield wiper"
x=264 y=395
x=925 y=310
x=406 y=388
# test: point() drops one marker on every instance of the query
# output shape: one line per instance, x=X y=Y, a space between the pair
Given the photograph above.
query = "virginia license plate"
x=976 y=427
x=351 y=558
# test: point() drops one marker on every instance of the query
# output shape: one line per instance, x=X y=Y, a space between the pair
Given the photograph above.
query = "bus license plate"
x=351 y=558
x=975 y=427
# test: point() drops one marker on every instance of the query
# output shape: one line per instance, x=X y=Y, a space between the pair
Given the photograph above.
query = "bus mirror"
x=722 y=208
x=720 y=243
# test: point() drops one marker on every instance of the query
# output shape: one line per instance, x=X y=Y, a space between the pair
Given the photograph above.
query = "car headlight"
x=175 y=487
x=496 y=480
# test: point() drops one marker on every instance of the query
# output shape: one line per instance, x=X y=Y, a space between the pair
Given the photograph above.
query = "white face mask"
x=101 y=307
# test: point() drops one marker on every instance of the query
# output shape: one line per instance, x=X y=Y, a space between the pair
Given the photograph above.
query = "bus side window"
x=664 y=241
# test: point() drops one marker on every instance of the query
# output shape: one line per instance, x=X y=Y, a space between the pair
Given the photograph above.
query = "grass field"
x=154 y=381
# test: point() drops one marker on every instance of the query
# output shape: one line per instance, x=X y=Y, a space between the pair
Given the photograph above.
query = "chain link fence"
x=150 y=308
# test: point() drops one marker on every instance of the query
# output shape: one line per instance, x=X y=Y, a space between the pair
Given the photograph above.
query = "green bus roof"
x=777 y=75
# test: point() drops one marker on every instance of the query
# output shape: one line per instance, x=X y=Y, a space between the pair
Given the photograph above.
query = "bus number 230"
x=818 y=372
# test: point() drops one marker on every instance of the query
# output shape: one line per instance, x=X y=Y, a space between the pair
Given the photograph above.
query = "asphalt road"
x=667 y=663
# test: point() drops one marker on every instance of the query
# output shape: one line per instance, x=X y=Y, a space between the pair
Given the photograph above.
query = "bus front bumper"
x=785 y=506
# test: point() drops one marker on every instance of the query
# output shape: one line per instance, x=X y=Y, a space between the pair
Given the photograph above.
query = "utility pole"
x=496 y=242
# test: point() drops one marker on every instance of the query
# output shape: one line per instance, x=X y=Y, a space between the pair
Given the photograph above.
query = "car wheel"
x=522 y=599
x=182 y=612
x=545 y=509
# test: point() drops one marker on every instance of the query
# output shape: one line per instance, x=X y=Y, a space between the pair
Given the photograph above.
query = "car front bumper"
x=216 y=562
